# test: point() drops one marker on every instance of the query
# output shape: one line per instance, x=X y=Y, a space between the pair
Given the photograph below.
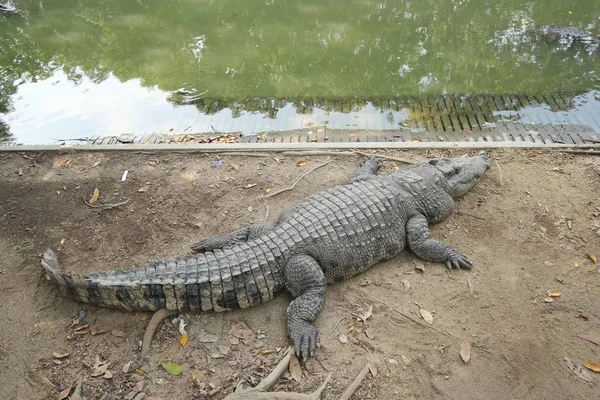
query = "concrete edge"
x=269 y=147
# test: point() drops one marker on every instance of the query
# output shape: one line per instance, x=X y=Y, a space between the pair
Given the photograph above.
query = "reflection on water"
x=83 y=67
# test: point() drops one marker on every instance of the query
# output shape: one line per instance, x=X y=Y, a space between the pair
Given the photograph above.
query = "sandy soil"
x=527 y=229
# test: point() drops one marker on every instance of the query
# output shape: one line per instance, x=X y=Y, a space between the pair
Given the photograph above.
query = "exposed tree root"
x=152 y=325
x=260 y=392
x=297 y=180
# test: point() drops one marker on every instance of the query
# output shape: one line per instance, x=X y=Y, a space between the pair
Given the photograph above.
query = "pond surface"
x=75 y=68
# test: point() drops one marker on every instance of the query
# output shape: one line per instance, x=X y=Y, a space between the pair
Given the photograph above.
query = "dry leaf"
x=426 y=315
x=143 y=189
x=266 y=352
x=350 y=329
x=126 y=367
x=235 y=167
x=578 y=370
x=184 y=339
x=96 y=163
x=65 y=393
x=96 y=331
x=95 y=196
x=267 y=190
x=294 y=367
x=465 y=351
x=553 y=293
x=592 y=257
x=61 y=355
x=405 y=360
x=343 y=338
x=365 y=316
x=592 y=365
x=589 y=339
x=406 y=284
x=117 y=333
x=198 y=378
x=100 y=369
x=243 y=333
x=301 y=163
x=139 y=372
x=372 y=368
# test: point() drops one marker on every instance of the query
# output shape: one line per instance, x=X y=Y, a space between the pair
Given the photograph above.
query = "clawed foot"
x=305 y=337
x=458 y=261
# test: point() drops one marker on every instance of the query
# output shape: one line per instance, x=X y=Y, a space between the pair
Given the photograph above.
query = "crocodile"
x=569 y=35
x=327 y=237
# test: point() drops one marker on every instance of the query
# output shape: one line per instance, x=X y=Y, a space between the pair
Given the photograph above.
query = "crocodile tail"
x=235 y=277
x=72 y=285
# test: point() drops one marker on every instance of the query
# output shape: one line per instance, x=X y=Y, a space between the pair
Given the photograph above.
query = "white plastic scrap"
x=124 y=177
x=182 y=327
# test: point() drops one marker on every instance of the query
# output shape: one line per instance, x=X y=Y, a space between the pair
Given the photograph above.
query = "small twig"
x=337 y=324
x=267 y=212
x=499 y=173
x=270 y=380
x=151 y=328
x=384 y=157
x=469 y=215
x=297 y=180
x=590 y=152
x=105 y=206
x=440 y=332
x=355 y=383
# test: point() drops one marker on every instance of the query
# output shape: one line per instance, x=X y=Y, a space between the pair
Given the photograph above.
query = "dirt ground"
x=527 y=228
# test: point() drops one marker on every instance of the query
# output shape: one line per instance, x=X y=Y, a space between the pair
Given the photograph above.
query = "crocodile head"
x=462 y=173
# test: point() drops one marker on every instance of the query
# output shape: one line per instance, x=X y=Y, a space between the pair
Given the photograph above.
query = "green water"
x=234 y=50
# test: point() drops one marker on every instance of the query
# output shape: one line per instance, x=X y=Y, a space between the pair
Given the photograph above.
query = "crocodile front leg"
x=305 y=280
x=240 y=236
x=367 y=170
x=430 y=249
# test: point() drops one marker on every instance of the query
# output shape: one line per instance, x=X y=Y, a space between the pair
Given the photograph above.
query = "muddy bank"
x=527 y=228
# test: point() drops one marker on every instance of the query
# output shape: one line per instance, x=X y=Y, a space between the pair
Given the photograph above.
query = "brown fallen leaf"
x=65 y=393
x=554 y=293
x=81 y=327
x=61 y=355
x=266 y=352
x=465 y=351
x=426 y=315
x=592 y=257
x=96 y=331
x=301 y=163
x=589 y=338
x=372 y=368
x=242 y=333
x=592 y=365
x=294 y=367
x=95 y=196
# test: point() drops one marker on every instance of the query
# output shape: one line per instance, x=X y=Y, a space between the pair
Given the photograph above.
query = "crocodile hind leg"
x=424 y=246
x=233 y=238
x=367 y=170
x=305 y=280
